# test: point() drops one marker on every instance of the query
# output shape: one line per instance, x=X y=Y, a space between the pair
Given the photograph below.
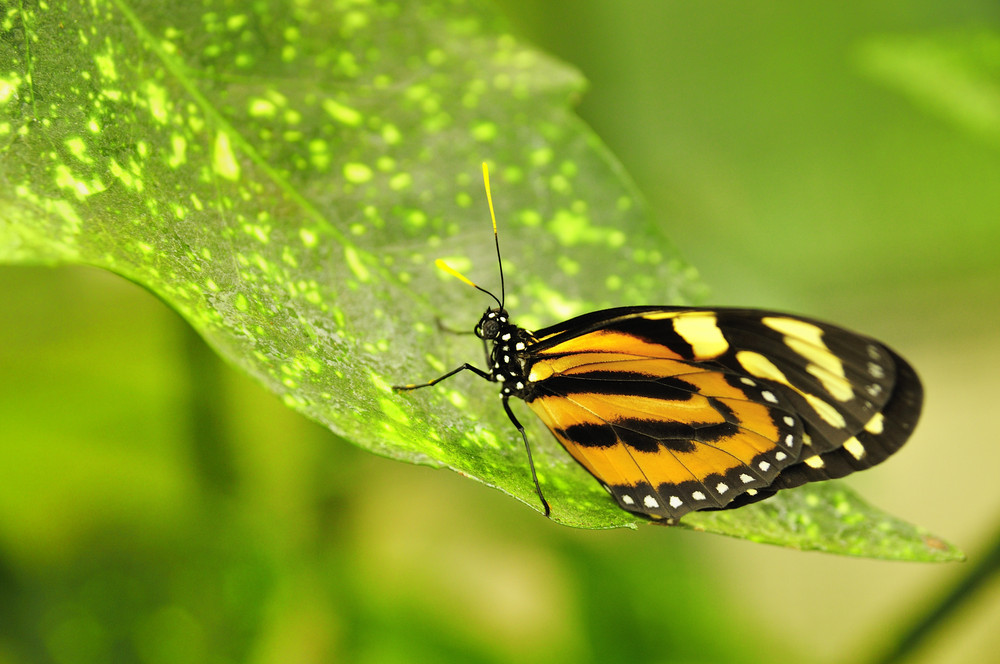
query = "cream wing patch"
x=832 y=416
x=761 y=367
x=806 y=340
x=701 y=331
x=876 y=424
x=854 y=447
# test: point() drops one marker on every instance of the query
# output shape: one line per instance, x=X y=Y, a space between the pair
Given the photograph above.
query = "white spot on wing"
x=721 y=487
x=698 y=495
x=650 y=502
x=746 y=479
x=763 y=465
x=675 y=502
x=769 y=396
x=780 y=456
x=627 y=499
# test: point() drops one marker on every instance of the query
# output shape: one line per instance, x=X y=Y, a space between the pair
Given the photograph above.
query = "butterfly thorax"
x=508 y=356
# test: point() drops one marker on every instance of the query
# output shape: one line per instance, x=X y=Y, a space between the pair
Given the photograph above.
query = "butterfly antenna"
x=444 y=267
x=496 y=237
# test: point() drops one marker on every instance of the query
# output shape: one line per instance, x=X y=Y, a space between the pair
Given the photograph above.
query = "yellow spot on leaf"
x=400 y=181
x=390 y=134
x=106 y=67
x=357 y=266
x=262 y=108
x=485 y=132
x=357 y=173
x=393 y=411
x=341 y=113
x=178 y=154
x=78 y=148
x=308 y=237
x=224 y=160
x=157 y=97
x=8 y=89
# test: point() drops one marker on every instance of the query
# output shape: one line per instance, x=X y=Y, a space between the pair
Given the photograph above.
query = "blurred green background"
x=156 y=506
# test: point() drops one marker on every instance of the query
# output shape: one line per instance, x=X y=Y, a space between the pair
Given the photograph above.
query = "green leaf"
x=283 y=175
x=828 y=517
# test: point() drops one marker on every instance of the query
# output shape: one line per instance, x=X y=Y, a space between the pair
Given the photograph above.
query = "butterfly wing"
x=676 y=410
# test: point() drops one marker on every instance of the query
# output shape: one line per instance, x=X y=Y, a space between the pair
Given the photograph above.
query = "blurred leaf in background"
x=162 y=509
x=776 y=145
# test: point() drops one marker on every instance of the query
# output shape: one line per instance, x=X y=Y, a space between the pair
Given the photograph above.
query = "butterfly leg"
x=527 y=448
x=464 y=367
x=444 y=328
x=450 y=330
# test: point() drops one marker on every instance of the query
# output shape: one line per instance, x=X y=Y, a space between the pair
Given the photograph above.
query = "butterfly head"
x=493 y=322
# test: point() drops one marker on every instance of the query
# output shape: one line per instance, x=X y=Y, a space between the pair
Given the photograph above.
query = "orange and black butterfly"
x=676 y=409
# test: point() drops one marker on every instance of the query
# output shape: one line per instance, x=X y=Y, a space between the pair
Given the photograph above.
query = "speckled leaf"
x=284 y=173
x=828 y=517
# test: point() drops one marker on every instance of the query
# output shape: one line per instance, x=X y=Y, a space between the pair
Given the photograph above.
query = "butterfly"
x=678 y=409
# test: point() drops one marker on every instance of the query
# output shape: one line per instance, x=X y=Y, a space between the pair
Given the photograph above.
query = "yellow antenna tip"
x=489 y=196
x=444 y=267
